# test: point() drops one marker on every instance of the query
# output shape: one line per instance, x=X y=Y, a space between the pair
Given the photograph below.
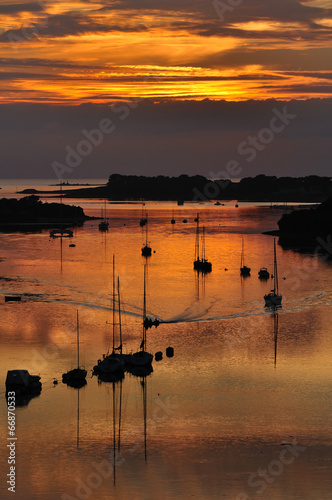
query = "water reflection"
x=225 y=407
x=276 y=332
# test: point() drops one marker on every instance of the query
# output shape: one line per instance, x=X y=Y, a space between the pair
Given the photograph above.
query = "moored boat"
x=273 y=299
x=244 y=270
x=146 y=249
x=116 y=360
x=201 y=264
x=22 y=382
x=142 y=357
x=263 y=273
x=77 y=376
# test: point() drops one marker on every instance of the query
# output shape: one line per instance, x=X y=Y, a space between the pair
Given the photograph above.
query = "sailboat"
x=172 y=219
x=273 y=299
x=144 y=219
x=61 y=231
x=142 y=357
x=201 y=263
x=113 y=362
x=245 y=271
x=77 y=376
x=103 y=225
x=146 y=250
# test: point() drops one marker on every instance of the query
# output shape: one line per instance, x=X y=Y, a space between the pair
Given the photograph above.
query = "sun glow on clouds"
x=99 y=52
x=267 y=26
x=324 y=22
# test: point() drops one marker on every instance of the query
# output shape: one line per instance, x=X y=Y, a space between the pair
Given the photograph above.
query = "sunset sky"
x=88 y=51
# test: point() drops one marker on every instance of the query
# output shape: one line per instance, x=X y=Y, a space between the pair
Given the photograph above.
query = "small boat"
x=201 y=264
x=217 y=203
x=142 y=358
x=149 y=323
x=13 y=298
x=170 y=352
x=77 y=376
x=146 y=249
x=60 y=232
x=104 y=224
x=180 y=203
x=21 y=382
x=273 y=299
x=244 y=270
x=263 y=273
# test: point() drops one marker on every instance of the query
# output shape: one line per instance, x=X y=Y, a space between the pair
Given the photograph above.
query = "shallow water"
x=239 y=391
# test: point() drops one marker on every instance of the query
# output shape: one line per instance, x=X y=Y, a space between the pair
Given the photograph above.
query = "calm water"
x=239 y=393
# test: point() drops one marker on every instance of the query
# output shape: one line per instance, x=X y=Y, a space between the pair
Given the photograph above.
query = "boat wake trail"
x=195 y=312
x=199 y=311
x=101 y=307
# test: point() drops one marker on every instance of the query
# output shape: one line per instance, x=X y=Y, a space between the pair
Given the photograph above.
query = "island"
x=31 y=214
x=198 y=188
x=307 y=229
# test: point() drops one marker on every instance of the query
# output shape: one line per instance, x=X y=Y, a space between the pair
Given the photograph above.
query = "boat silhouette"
x=273 y=299
x=201 y=264
x=244 y=270
x=114 y=361
x=76 y=377
x=142 y=358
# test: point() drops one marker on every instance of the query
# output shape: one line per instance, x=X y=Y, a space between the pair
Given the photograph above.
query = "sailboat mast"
x=242 y=254
x=120 y=330
x=146 y=230
x=275 y=269
x=144 y=310
x=197 y=240
x=113 y=300
x=203 y=243
x=78 y=343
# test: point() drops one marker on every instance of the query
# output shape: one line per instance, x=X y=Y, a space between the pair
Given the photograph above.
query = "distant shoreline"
x=184 y=188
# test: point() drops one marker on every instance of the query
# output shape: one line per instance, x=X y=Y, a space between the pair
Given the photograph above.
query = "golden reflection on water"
x=217 y=411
